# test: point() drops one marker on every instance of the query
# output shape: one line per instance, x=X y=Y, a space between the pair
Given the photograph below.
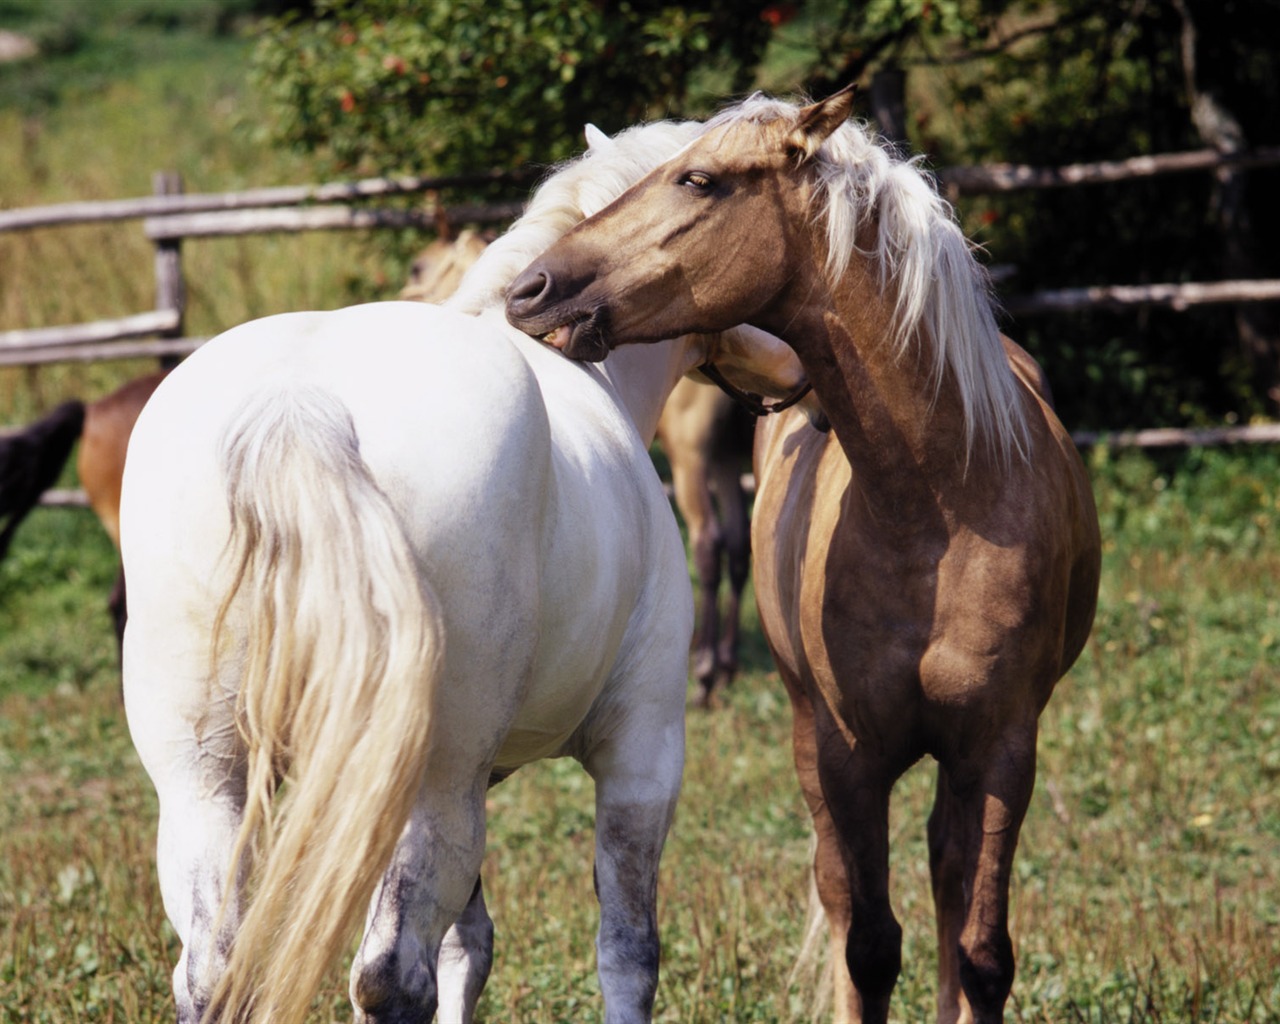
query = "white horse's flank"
x=389 y=554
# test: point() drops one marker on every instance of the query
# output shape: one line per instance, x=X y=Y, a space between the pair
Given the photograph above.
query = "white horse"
x=378 y=559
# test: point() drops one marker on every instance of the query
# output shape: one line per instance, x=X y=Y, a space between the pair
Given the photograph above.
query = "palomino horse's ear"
x=818 y=120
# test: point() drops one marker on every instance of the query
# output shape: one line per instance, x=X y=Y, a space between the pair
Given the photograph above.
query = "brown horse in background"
x=925 y=573
x=707 y=439
x=31 y=460
x=435 y=272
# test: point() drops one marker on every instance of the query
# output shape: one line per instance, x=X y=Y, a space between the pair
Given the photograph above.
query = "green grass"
x=1147 y=884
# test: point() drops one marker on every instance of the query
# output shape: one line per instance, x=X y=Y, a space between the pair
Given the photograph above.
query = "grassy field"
x=1148 y=880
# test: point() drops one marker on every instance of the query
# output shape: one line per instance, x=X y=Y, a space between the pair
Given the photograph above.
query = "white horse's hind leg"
x=198 y=775
x=637 y=774
x=466 y=955
x=194 y=857
x=426 y=888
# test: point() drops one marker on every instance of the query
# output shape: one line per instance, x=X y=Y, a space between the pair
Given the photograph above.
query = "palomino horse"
x=926 y=573
x=387 y=555
x=31 y=460
x=706 y=437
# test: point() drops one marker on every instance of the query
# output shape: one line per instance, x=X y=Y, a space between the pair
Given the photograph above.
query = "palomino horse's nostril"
x=527 y=292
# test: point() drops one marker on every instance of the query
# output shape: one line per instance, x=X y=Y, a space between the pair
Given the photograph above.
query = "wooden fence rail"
x=1175 y=296
x=170 y=216
x=991 y=178
x=220 y=223
x=286 y=195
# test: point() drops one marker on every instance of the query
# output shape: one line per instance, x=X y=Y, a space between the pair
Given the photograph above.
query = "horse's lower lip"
x=583 y=340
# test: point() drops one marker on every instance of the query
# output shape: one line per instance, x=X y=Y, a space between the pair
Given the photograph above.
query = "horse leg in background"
x=973 y=832
x=466 y=957
x=637 y=771
x=693 y=498
x=117 y=605
x=735 y=527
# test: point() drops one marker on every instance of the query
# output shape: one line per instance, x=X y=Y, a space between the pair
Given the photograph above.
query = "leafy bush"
x=394 y=86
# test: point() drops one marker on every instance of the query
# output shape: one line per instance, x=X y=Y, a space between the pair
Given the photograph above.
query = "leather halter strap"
x=750 y=401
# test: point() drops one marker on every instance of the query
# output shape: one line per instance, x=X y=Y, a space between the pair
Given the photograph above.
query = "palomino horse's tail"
x=342 y=642
x=811 y=973
x=30 y=462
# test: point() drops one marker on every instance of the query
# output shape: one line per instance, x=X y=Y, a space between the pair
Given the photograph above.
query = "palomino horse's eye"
x=697 y=180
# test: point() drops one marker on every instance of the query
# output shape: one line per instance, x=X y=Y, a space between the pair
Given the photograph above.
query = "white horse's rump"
x=389 y=553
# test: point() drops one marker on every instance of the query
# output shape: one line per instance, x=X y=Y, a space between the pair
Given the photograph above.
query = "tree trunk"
x=1257 y=326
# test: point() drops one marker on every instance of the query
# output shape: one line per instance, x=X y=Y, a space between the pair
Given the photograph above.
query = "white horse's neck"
x=644 y=376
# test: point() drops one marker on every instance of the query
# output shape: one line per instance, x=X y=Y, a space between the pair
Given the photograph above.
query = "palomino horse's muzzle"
x=579 y=333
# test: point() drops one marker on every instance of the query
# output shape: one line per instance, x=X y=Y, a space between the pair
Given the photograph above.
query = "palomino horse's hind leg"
x=973 y=832
x=466 y=956
x=427 y=887
x=637 y=775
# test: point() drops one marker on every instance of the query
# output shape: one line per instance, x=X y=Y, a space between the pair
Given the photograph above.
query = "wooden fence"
x=171 y=217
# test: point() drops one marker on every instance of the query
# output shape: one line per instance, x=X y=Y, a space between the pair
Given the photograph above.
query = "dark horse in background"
x=32 y=458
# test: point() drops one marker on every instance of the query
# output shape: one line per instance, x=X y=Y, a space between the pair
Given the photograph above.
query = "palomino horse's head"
x=653 y=264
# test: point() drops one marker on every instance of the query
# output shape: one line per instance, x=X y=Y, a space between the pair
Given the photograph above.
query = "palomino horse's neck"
x=902 y=432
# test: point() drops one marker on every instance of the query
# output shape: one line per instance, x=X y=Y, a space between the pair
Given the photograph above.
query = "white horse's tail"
x=341 y=642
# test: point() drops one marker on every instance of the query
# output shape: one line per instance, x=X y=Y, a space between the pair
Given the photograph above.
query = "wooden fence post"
x=171 y=292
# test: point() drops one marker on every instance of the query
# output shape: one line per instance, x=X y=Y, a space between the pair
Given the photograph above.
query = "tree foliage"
x=414 y=85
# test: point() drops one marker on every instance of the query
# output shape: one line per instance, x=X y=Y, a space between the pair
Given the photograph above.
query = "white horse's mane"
x=943 y=295
x=572 y=192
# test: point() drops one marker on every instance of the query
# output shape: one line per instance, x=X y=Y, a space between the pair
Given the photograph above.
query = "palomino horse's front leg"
x=856 y=784
x=637 y=774
x=429 y=885
x=973 y=832
x=830 y=878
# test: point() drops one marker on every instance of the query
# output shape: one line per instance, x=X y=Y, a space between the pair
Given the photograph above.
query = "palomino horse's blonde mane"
x=572 y=192
x=943 y=295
